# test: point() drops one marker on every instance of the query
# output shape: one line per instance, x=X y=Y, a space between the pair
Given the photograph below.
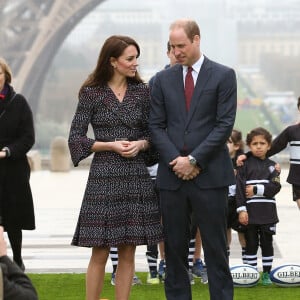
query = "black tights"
x=15 y=239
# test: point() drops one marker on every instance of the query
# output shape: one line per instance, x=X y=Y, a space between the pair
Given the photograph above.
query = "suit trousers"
x=208 y=209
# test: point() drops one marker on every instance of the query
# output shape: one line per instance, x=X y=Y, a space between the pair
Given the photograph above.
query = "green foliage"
x=249 y=118
x=72 y=287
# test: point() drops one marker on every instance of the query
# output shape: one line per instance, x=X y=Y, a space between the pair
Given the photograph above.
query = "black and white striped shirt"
x=291 y=136
x=261 y=207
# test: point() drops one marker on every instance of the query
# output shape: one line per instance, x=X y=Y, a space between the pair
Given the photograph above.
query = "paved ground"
x=58 y=196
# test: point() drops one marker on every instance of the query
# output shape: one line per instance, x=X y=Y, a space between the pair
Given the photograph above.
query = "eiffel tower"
x=31 y=32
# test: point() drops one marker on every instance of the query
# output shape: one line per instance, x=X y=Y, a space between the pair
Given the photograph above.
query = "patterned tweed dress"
x=119 y=204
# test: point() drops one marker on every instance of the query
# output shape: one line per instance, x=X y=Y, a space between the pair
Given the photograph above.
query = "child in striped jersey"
x=291 y=136
x=256 y=185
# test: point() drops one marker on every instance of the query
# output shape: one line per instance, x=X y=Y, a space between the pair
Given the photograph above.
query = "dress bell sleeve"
x=79 y=144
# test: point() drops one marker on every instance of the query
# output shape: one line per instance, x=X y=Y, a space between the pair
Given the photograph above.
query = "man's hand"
x=240 y=160
x=183 y=169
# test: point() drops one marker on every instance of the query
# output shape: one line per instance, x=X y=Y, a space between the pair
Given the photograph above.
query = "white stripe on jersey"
x=261 y=200
x=255 y=181
x=295 y=152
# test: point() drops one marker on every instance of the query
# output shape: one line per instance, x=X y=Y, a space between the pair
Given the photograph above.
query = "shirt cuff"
x=260 y=189
x=241 y=208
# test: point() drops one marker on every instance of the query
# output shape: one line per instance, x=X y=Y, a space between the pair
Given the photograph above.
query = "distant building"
x=265 y=27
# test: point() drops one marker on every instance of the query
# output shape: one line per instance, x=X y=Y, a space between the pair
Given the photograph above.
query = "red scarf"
x=3 y=93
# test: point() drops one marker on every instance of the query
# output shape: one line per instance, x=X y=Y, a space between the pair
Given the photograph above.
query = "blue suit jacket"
x=202 y=132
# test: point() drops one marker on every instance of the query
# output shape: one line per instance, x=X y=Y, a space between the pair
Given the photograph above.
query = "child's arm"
x=241 y=196
x=269 y=189
x=279 y=143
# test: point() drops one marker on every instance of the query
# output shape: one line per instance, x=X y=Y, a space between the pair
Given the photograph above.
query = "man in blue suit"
x=195 y=168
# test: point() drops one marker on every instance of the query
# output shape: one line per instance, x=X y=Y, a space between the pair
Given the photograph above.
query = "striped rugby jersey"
x=289 y=136
x=261 y=207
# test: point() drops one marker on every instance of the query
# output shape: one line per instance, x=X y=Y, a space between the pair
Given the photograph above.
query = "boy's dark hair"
x=258 y=131
x=298 y=104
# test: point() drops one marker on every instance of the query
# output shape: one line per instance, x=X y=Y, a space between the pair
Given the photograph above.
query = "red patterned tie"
x=188 y=88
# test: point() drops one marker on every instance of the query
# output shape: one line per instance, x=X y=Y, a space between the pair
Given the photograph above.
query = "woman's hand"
x=3 y=246
x=2 y=154
x=129 y=149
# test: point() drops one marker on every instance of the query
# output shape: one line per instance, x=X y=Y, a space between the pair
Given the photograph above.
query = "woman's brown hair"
x=113 y=47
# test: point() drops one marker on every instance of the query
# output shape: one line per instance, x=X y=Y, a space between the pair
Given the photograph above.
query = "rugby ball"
x=286 y=275
x=244 y=275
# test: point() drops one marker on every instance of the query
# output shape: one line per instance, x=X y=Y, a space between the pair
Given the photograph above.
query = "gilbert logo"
x=291 y=274
x=244 y=275
x=286 y=275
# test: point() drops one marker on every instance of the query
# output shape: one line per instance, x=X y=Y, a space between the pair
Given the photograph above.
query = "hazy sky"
x=208 y=13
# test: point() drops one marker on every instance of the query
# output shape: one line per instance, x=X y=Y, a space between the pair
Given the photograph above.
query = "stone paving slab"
x=58 y=196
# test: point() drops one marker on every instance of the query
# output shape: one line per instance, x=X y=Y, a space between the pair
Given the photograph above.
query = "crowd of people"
x=168 y=171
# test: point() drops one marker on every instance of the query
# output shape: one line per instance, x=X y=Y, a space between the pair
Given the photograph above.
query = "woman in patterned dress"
x=119 y=207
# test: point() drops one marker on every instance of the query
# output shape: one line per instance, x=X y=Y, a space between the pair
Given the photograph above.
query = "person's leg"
x=252 y=243
x=242 y=241
x=296 y=194
x=231 y=219
x=298 y=202
x=125 y=271
x=152 y=255
x=96 y=272
x=229 y=238
x=267 y=251
x=210 y=210
x=192 y=248
x=15 y=240
x=161 y=247
x=176 y=217
x=162 y=263
x=199 y=269
x=113 y=253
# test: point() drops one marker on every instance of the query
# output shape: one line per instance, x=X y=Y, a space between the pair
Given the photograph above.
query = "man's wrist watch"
x=192 y=160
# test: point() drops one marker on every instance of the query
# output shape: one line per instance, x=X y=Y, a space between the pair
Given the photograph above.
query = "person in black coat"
x=16 y=139
x=14 y=284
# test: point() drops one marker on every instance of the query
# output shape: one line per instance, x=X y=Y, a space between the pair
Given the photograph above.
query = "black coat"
x=16 y=133
x=16 y=284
